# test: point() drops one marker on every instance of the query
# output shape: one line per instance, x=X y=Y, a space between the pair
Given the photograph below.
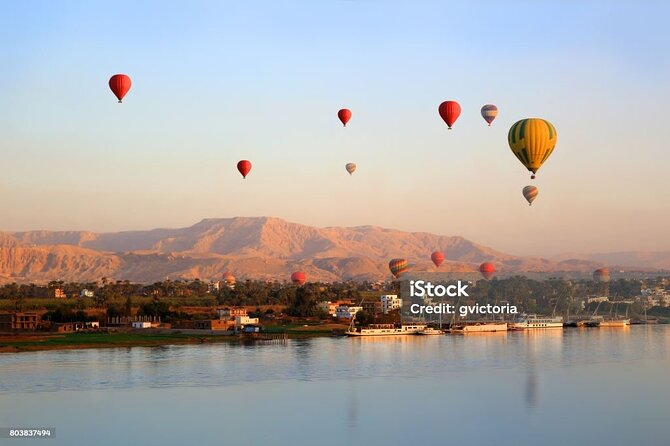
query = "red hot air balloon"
x=344 y=115
x=449 y=111
x=119 y=84
x=398 y=266
x=298 y=278
x=487 y=269
x=437 y=257
x=244 y=167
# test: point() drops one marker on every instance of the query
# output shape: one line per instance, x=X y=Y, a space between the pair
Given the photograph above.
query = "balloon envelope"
x=244 y=166
x=449 y=111
x=398 y=266
x=489 y=113
x=530 y=193
x=229 y=278
x=487 y=269
x=120 y=84
x=437 y=257
x=298 y=278
x=532 y=140
x=344 y=115
x=601 y=275
x=351 y=168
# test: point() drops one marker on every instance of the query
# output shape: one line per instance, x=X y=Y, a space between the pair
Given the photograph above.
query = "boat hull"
x=378 y=332
x=481 y=328
x=616 y=323
x=533 y=326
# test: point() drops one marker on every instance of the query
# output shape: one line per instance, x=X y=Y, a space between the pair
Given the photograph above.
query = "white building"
x=86 y=293
x=390 y=302
x=328 y=307
x=597 y=299
x=241 y=321
x=656 y=297
x=231 y=312
x=141 y=325
x=347 y=312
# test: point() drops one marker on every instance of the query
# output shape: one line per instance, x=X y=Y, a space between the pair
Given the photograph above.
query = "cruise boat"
x=532 y=321
x=386 y=330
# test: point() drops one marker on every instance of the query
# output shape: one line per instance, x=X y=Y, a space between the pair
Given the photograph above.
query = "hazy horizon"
x=215 y=83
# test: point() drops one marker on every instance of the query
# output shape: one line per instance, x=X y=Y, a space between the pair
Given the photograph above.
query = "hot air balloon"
x=298 y=278
x=229 y=279
x=351 y=168
x=344 y=115
x=398 y=266
x=487 y=269
x=449 y=111
x=119 y=84
x=532 y=140
x=437 y=257
x=601 y=275
x=244 y=167
x=489 y=113
x=530 y=193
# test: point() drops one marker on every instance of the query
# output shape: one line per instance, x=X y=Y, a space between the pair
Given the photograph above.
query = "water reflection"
x=532 y=393
x=609 y=382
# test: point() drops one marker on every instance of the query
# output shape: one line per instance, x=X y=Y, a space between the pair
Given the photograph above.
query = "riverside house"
x=19 y=321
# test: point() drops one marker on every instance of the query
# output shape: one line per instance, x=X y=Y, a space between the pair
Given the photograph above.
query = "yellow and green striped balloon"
x=532 y=140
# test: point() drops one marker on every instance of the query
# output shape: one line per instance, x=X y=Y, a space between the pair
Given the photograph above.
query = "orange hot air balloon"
x=244 y=167
x=437 y=257
x=487 y=269
x=298 y=278
x=449 y=111
x=229 y=278
x=398 y=266
x=344 y=115
x=601 y=275
x=120 y=85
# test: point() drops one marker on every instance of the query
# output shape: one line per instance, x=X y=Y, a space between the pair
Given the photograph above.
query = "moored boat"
x=480 y=327
x=615 y=323
x=386 y=330
x=430 y=331
x=533 y=321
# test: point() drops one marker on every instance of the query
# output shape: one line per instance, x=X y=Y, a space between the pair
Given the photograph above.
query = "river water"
x=554 y=387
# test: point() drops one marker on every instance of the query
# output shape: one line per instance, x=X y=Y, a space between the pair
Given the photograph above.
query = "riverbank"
x=16 y=343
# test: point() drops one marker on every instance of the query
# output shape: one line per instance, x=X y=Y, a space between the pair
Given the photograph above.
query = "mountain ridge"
x=252 y=247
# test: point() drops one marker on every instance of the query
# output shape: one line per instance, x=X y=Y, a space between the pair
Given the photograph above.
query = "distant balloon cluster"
x=532 y=141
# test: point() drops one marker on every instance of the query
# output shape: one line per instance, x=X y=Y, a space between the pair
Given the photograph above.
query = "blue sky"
x=216 y=82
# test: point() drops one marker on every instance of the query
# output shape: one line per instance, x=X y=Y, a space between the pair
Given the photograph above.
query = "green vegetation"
x=101 y=339
x=175 y=300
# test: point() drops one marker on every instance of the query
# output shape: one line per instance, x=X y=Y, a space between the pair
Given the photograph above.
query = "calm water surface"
x=577 y=387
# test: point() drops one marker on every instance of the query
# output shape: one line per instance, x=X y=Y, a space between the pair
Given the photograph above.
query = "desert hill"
x=251 y=247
